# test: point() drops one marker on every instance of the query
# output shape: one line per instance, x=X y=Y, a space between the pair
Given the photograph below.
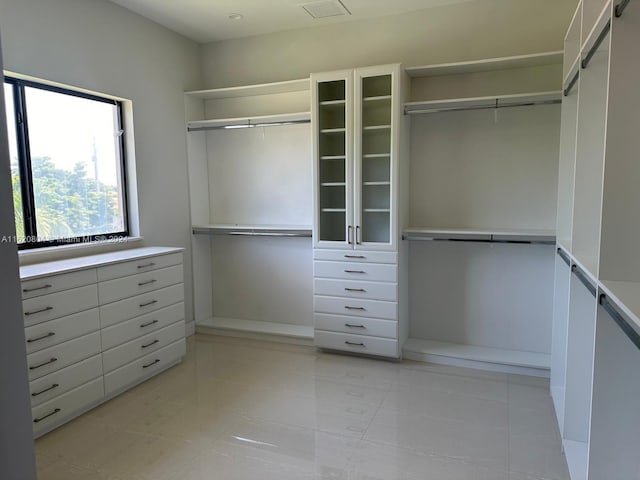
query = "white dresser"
x=98 y=325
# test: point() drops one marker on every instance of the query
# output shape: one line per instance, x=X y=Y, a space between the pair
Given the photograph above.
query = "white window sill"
x=47 y=254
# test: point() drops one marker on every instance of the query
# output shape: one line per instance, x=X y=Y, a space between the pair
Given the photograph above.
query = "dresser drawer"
x=357 y=343
x=50 y=414
x=356 y=307
x=144 y=367
x=50 y=386
x=56 y=305
x=53 y=332
x=51 y=359
x=117 y=312
x=123 y=354
x=142 y=325
x=58 y=283
x=114 y=290
x=355 y=256
x=356 y=271
x=357 y=326
x=124 y=269
x=356 y=289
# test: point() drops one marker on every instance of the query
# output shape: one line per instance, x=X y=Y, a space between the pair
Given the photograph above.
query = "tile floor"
x=241 y=409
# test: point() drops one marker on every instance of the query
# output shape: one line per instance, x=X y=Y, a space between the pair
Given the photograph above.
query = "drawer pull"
x=353 y=344
x=47 y=335
x=52 y=387
x=27 y=290
x=48 y=362
x=148 y=282
x=147 y=265
x=148 y=303
x=148 y=324
x=45 y=309
x=355 y=256
x=157 y=360
x=355 y=290
x=354 y=308
x=354 y=271
x=36 y=420
x=151 y=343
x=349 y=325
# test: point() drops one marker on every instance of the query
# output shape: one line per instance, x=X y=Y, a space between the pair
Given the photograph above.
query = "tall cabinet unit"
x=358 y=166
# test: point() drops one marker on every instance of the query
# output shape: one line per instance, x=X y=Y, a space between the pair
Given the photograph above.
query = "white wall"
x=97 y=45
x=466 y=31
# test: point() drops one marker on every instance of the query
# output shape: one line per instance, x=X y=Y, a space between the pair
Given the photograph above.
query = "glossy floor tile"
x=243 y=409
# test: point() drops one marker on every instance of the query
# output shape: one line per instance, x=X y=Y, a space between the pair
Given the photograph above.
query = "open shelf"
x=499 y=235
x=487 y=65
x=248 y=122
x=257 y=329
x=477 y=103
x=480 y=357
x=287 y=86
x=253 y=230
x=576 y=454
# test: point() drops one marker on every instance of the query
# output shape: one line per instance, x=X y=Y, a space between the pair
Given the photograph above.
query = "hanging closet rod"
x=621 y=6
x=572 y=83
x=624 y=325
x=252 y=232
x=247 y=125
x=564 y=256
x=592 y=51
x=580 y=275
x=416 y=111
x=470 y=238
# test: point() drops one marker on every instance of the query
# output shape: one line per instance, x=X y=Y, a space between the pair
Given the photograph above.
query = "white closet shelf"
x=247 y=122
x=334 y=210
x=577 y=454
x=240 y=327
x=333 y=130
x=487 y=65
x=497 y=235
x=376 y=155
x=478 y=103
x=626 y=296
x=329 y=103
x=373 y=184
x=376 y=210
x=333 y=157
x=445 y=352
x=254 y=230
x=379 y=98
x=377 y=127
x=299 y=85
x=333 y=184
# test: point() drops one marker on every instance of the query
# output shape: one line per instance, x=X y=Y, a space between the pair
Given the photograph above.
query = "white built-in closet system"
x=453 y=168
x=595 y=379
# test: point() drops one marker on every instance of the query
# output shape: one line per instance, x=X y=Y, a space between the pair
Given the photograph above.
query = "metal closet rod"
x=482 y=107
x=249 y=233
x=248 y=125
x=580 y=275
x=564 y=256
x=475 y=240
x=622 y=322
x=572 y=83
x=621 y=6
x=592 y=51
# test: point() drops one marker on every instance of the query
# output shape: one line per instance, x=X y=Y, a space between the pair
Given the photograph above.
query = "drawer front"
x=139 y=305
x=54 y=332
x=356 y=307
x=114 y=290
x=123 y=354
x=47 y=307
x=143 y=367
x=384 y=347
x=58 y=283
x=355 y=257
x=50 y=386
x=356 y=289
x=358 y=326
x=136 y=327
x=64 y=407
x=51 y=359
x=356 y=271
x=142 y=265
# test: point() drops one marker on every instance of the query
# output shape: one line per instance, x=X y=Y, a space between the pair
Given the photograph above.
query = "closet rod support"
x=572 y=83
x=580 y=275
x=592 y=51
x=620 y=7
x=624 y=325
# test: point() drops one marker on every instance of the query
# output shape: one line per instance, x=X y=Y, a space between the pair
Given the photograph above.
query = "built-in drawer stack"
x=356 y=301
x=96 y=326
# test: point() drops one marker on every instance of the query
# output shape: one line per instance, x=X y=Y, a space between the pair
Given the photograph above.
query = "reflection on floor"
x=241 y=409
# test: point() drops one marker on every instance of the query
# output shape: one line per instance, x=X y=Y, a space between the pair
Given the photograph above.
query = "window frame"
x=21 y=125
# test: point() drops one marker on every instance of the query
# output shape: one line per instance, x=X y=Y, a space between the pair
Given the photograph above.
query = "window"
x=67 y=165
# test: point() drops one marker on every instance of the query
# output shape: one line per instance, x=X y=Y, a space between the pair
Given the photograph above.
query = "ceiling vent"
x=325 y=8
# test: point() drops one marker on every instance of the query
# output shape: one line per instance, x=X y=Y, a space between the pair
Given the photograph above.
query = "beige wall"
x=97 y=45
x=466 y=31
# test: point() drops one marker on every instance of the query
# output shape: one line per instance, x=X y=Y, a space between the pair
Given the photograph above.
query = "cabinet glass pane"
x=330 y=91
x=332 y=226
x=376 y=86
x=332 y=115
x=376 y=169
x=376 y=227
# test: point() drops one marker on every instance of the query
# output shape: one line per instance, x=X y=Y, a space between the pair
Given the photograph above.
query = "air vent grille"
x=325 y=8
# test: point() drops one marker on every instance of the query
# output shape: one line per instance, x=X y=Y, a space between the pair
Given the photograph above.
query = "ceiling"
x=207 y=21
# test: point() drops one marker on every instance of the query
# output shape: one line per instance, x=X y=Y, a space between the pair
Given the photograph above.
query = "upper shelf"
x=476 y=103
x=487 y=65
x=482 y=235
x=247 y=122
x=299 y=85
x=254 y=230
